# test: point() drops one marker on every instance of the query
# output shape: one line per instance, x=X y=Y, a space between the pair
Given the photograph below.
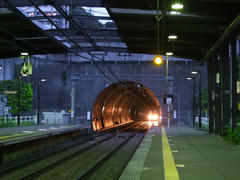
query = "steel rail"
x=92 y=169
x=17 y=166
x=71 y=156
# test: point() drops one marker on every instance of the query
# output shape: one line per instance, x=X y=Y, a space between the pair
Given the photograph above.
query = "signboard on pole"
x=169 y=100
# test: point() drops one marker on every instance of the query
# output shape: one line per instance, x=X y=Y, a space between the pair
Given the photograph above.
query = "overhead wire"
x=114 y=75
x=15 y=9
x=34 y=5
x=69 y=39
x=94 y=45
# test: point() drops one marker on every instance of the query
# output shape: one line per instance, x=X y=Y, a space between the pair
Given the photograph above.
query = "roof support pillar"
x=227 y=33
x=234 y=82
x=225 y=88
x=211 y=97
x=217 y=107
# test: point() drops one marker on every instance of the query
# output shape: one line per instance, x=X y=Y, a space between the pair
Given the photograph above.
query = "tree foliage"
x=233 y=135
x=26 y=95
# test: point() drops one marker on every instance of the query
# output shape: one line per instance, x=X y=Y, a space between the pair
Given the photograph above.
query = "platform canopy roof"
x=201 y=26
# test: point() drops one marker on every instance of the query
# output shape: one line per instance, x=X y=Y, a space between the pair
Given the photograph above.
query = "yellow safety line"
x=17 y=135
x=11 y=136
x=170 y=169
x=22 y=134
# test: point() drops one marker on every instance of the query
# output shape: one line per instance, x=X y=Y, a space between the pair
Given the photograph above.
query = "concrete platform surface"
x=17 y=133
x=184 y=153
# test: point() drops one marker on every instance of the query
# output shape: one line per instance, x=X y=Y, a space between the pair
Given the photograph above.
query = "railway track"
x=98 y=139
x=110 y=154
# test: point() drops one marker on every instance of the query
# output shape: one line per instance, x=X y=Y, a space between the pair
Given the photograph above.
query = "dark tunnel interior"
x=123 y=102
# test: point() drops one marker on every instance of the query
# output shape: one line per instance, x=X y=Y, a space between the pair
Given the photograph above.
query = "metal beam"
x=142 y=44
x=138 y=26
x=222 y=1
x=54 y=24
x=210 y=71
x=105 y=49
x=75 y=16
x=225 y=88
x=75 y=25
x=90 y=3
x=92 y=32
x=227 y=33
x=13 y=8
x=217 y=101
x=234 y=83
x=123 y=77
x=108 y=40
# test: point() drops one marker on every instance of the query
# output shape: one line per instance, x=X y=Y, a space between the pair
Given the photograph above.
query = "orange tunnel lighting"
x=124 y=102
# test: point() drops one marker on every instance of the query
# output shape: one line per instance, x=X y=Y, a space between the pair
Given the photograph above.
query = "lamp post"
x=38 y=100
x=168 y=107
x=158 y=60
x=199 y=97
x=193 y=79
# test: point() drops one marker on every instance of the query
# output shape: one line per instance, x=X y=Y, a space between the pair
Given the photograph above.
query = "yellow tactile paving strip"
x=14 y=135
x=170 y=169
x=135 y=166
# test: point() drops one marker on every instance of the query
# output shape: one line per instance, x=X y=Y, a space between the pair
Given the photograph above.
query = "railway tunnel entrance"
x=123 y=102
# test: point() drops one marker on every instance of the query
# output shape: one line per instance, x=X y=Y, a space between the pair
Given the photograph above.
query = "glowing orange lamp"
x=158 y=60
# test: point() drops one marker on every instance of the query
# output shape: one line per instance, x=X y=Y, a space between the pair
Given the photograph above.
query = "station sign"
x=238 y=87
x=8 y=92
x=218 y=78
x=169 y=100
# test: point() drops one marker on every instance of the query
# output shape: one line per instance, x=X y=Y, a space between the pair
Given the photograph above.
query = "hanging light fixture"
x=169 y=53
x=24 y=54
x=177 y=6
x=172 y=37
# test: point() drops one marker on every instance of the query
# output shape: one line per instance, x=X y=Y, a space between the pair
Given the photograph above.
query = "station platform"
x=17 y=134
x=183 y=153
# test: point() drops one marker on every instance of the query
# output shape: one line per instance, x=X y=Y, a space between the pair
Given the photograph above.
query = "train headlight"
x=150 y=117
x=155 y=117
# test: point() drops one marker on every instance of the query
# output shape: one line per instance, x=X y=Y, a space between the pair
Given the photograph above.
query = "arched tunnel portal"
x=123 y=102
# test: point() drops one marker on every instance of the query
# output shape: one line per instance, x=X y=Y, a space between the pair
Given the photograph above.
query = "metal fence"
x=13 y=120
